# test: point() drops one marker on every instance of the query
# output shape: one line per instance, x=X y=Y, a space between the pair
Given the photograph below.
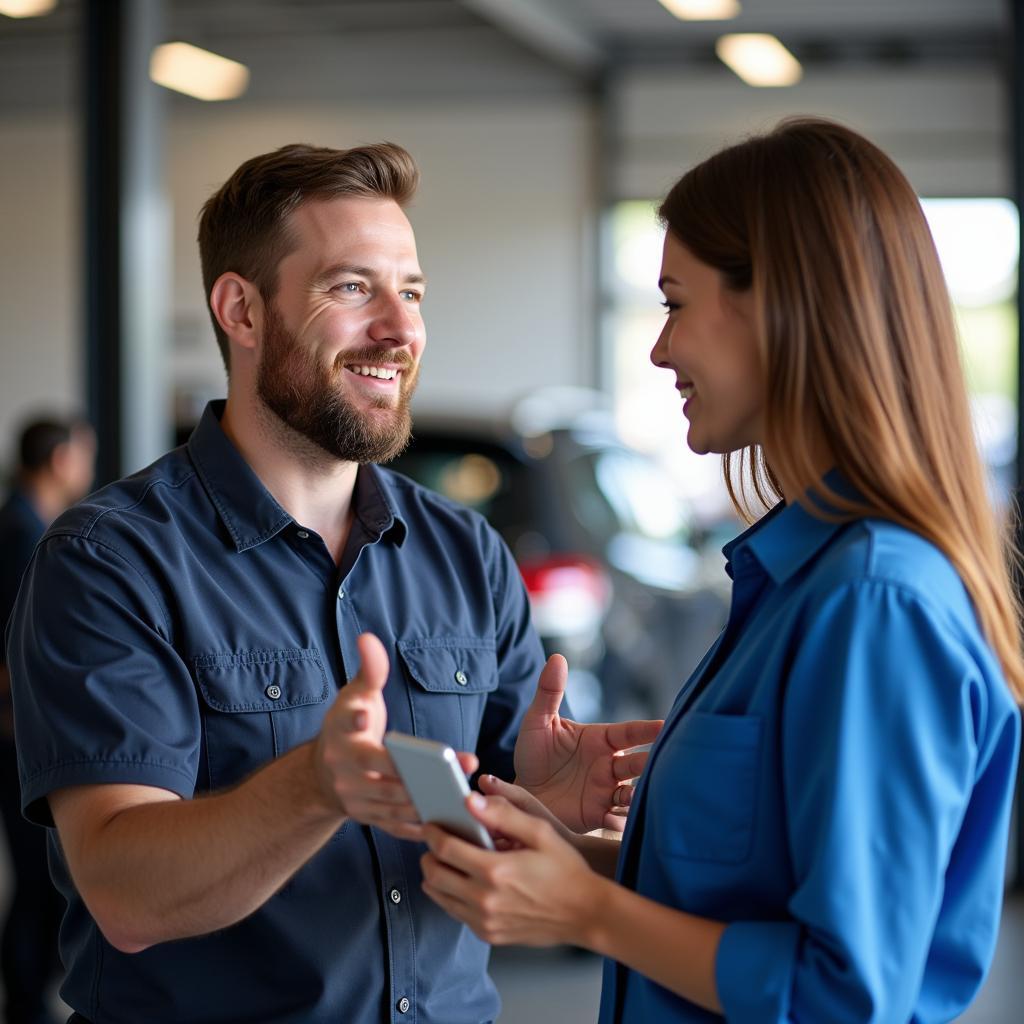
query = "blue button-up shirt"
x=834 y=782
x=178 y=629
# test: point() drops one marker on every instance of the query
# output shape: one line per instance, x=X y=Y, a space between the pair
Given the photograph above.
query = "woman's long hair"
x=858 y=343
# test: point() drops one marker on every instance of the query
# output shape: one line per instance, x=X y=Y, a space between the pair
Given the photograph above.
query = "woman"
x=820 y=831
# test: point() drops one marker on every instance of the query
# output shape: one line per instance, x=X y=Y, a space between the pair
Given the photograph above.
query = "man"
x=230 y=826
x=55 y=468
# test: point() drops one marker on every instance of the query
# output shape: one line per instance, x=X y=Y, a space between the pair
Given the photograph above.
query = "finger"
x=614 y=821
x=469 y=762
x=402 y=830
x=629 y=766
x=454 y=908
x=622 y=735
x=491 y=785
x=623 y=796
x=501 y=816
x=373 y=665
x=550 y=688
x=467 y=857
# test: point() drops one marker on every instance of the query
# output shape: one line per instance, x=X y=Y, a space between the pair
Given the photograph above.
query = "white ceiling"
x=394 y=49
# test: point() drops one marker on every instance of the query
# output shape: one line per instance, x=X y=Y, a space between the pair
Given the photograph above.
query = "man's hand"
x=353 y=768
x=578 y=771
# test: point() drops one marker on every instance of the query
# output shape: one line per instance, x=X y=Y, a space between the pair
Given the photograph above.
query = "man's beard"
x=309 y=398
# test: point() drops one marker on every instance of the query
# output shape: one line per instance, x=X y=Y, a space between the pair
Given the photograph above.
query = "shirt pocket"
x=449 y=680
x=258 y=705
x=703 y=788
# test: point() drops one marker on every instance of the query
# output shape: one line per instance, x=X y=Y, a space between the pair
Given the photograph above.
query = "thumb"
x=550 y=688
x=373 y=664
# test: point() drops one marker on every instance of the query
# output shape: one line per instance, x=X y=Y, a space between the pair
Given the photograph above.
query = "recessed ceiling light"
x=759 y=59
x=199 y=73
x=702 y=10
x=26 y=8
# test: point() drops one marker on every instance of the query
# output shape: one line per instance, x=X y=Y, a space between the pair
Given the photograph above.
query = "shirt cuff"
x=754 y=970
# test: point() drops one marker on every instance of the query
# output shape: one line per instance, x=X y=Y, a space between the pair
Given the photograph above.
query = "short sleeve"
x=898 y=776
x=100 y=694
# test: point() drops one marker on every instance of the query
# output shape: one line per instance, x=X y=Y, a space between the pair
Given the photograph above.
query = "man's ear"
x=238 y=307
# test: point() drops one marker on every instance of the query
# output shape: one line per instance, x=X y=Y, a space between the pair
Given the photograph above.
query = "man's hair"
x=243 y=226
x=41 y=437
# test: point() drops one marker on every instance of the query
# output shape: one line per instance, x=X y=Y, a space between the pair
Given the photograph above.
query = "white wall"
x=502 y=220
x=945 y=127
x=502 y=223
x=40 y=295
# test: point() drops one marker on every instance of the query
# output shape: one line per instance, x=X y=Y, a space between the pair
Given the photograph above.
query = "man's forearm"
x=177 y=868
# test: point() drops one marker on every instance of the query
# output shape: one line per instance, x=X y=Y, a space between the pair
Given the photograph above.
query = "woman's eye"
x=669 y=306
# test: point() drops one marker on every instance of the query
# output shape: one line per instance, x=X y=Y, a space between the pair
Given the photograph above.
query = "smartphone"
x=436 y=785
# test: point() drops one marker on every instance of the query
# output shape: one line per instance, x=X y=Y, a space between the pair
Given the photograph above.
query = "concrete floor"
x=559 y=984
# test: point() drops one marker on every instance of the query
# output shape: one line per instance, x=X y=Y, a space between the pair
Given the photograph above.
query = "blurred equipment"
x=621 y=579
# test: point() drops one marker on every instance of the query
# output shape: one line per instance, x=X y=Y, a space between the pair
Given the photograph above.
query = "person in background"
x=56 y=459
x=820 y=833
x=205 y=655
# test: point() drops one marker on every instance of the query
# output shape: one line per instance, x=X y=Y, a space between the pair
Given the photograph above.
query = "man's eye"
x=349 y=287
x=412 y=296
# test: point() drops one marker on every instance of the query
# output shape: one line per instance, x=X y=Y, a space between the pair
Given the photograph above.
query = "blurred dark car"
x=619 y=579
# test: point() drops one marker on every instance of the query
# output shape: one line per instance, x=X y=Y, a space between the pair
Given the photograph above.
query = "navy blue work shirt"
x=179 y=629
x=834 y=782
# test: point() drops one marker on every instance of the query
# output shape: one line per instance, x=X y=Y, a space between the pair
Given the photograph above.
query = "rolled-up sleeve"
x=100 y=695
x=889 y=740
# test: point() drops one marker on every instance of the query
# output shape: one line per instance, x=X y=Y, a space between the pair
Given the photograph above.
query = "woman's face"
x=708 y=342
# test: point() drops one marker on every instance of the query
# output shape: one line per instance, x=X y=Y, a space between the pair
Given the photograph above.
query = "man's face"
x=73 y=464
x=343 y=336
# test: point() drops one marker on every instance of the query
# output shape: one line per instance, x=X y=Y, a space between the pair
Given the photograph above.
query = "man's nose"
x=396 y=322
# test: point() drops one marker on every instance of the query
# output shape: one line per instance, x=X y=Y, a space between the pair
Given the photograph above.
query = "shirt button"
x=461 y=678
x=341 y=594
x=302 y=535
x=273 y=692
x=396 y=896
x=403 y=1005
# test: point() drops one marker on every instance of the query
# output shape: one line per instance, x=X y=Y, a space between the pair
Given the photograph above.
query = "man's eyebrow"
x=355 y=270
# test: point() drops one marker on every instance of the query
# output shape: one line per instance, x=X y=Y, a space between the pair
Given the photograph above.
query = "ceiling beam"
x=534 y=24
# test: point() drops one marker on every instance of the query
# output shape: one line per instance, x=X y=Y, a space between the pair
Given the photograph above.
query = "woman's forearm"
x=674 y=949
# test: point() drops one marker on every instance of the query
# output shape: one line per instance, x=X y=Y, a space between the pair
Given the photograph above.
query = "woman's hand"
x=538 y=892
x=491 y=785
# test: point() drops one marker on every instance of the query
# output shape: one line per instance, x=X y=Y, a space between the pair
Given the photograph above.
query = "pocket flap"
x=451 y=664
x=270 y=680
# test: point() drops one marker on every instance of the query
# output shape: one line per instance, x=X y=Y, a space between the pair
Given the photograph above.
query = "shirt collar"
x=786 y=538
x=250 y=513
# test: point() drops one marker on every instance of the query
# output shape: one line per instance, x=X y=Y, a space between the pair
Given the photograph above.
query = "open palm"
x=579 y=772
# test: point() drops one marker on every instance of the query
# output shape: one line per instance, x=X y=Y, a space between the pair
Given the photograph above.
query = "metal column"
x=127 y=237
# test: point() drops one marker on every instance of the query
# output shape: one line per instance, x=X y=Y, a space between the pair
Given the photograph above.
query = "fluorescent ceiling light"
x=199 y=73
x=702 y=10
x=759 y=59
x=26 y=8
